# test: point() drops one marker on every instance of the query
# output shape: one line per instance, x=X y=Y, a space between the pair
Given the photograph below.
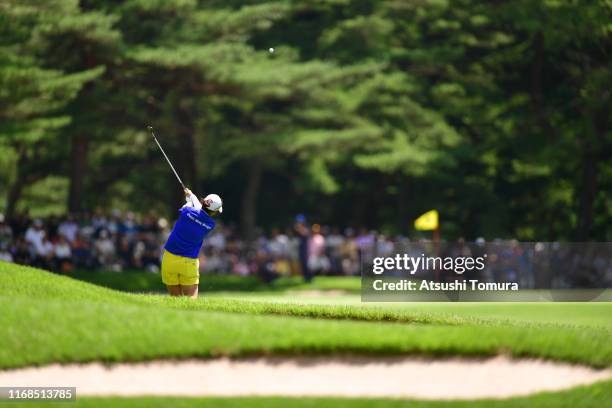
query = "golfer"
x=180 y=265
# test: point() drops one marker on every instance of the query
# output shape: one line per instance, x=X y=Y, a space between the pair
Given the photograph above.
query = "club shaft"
x=167 y=159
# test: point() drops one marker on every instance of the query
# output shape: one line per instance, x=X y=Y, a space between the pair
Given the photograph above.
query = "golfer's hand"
x=187 y=192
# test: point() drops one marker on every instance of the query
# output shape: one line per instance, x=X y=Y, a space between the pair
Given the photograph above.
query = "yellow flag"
x=427 y=221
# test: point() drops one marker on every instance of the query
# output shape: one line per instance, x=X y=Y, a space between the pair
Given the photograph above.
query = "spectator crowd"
x=115 y=242
x=123 y=241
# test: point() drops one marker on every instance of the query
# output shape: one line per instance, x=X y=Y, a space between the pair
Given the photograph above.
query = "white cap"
x=216 y=204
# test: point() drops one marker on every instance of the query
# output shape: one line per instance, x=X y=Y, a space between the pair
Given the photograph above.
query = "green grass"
x=597 y=395
x=49 y=318
x=245 y=291
x=139 y=281
x=598 y=314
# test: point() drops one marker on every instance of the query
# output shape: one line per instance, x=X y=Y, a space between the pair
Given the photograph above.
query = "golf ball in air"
x=270 y=50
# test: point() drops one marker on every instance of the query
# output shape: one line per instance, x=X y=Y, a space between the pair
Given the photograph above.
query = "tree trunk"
x=183 y=154
x=594 y=149
x=78 y=168
x=188 y=159
x=586 y=199
x=403 y=221
x=15 y=190
x=13 y=197
x=537 y=98
x=29 y=170
x=249 y=199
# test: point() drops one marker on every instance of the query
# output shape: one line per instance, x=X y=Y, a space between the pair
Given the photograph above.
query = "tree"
x=77 y=40
x=33 y=97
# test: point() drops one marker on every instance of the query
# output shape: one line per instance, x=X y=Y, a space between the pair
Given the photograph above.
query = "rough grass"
x=49 y=318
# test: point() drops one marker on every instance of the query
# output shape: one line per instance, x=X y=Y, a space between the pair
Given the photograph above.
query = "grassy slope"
x=138 y=281
x=285 y=291
x=51 y=318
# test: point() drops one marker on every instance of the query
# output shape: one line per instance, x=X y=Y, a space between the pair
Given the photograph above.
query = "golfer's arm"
x=192 y=201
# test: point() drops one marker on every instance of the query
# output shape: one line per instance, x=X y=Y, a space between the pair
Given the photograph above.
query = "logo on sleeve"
x=194 y=219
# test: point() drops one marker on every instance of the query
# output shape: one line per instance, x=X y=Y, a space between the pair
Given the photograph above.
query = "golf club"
x=166 y=156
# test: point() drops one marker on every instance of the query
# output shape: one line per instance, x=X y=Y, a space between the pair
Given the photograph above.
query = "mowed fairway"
x=48 y=318
x=562 y=313
x=345 y=291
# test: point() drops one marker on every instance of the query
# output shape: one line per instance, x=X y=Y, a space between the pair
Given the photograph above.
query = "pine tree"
x=33 y=96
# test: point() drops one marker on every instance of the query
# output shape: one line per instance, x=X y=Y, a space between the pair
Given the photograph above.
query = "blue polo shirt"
x=189 y=232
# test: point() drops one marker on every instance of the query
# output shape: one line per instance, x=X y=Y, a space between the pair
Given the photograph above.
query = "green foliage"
x=495 y=114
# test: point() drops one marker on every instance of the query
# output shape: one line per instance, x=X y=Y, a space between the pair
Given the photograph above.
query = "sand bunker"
x=421 y=378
